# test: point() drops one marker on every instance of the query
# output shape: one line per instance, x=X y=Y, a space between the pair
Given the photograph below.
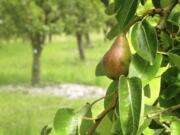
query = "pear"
x=116 y=60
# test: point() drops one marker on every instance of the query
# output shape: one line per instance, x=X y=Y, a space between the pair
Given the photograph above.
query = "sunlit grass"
x=24 y=114
x=60 y=62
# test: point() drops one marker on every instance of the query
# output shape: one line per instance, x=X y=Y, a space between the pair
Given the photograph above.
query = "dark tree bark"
x=80 y=47
x=37 y=42
x=88 y=43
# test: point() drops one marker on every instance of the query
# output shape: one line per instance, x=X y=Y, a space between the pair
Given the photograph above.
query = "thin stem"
x=100 y=117
x=167 y=11
x=164 y=53
x=170 y=109
x=94 y=102
x=150 y=12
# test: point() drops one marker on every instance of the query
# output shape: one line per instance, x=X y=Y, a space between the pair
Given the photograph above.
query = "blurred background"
x=48 y=53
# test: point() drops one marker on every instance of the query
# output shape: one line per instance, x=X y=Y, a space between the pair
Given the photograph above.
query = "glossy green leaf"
x=144 y=40
x=114 y=32
x=99 y=69
x=174 y=56
x=65 y=123
x=126 y=12
x=46 y=130
x=116 y=130
x=156 y=3
x=165 y=40
x=147 y=91
x=130 y=104
x=117 y=4
x=111 y=96
x=142 y=69
x=154 y=86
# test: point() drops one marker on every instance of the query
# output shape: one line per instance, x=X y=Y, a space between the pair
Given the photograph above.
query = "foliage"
x=131 y=109
x=79 y=15
x=29 y=16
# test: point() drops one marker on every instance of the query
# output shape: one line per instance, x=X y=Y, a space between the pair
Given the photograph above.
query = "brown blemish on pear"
x=116 y=60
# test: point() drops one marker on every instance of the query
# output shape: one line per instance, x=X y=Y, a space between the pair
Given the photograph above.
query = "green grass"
x=24 y=114
x=60 y=62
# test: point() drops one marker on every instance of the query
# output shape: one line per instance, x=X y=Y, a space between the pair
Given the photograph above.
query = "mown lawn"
x=24 y=114
x=60 y=62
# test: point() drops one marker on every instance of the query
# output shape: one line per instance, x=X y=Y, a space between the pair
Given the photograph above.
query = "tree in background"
x=36 y=20
x=82 y=17
x=32 y=20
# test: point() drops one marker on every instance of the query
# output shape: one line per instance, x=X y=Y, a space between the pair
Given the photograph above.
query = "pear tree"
x=143 y=97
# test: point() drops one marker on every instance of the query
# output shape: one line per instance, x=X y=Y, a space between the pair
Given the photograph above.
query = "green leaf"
x=99 y=69
x=143 y=2
x=144 y=40
x=105 y=2
x=175 y=127
x=111 y=96
x=110 y=10
x=172 y=27
x=174 y=56
x=117 y=4
x=145 y=124
x=114 y=32
x=175 y=17
x=147 y=91
x=126 y=12
x=46 y=130
x=65 y=123
x=130 y=104
x=84 y=124
x=156 y=3
x=104 y=127
x=154 y=86
x=116 y=128
x=142 y=69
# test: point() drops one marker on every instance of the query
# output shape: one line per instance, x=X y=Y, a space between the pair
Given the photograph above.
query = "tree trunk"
x=87 y=40
x=37 y=43
x=50 y=38
x=80 y=47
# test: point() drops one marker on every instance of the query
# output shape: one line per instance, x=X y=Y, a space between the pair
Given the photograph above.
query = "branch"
x=100 y=117
x=170 y=109
x=150 y=12
x=167 y=11
x=94 y=102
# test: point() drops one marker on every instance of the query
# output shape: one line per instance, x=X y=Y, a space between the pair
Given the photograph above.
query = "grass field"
x=24 y=114
x=60 y=62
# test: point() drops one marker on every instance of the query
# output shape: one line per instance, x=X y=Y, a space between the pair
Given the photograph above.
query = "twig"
x=100 y=117
x=170 y=109
x=167 y=12
x=150 y=12
x=94 y=102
